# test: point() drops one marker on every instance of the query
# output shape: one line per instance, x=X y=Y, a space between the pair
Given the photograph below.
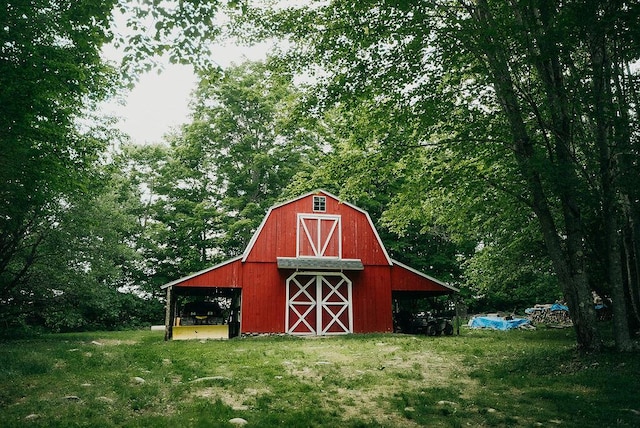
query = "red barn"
x=315 y=266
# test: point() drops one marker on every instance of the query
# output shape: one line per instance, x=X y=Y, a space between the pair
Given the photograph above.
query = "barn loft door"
x=319 y=304
x=319 y=236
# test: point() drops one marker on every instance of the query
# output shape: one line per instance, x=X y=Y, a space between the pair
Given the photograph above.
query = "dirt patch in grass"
x=113 y=342
x=369 y=405
x=304 y=373
x=237 y=401
x=365 y=380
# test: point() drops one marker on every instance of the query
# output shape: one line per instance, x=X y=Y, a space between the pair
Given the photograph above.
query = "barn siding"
x=263 y=299
x=226 y=275
x=372 y=300
x=277 y=237
x=405 y=280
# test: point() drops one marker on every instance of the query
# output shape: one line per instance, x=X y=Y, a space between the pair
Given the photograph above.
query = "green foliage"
x=50 y=72
x=495 y=288
x=181 y=31
x=244 y=122
x=512 y=111
x=199 y=199
x=63 y=253
x=82 y=263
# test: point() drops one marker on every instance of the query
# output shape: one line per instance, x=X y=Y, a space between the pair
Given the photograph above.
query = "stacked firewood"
x=544 y=314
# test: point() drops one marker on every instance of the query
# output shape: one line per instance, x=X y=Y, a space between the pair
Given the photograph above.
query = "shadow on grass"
x=482 y=378
x=541 y=385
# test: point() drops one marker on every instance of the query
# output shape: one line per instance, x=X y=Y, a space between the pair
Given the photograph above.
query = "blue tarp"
x=497 y=323
x=559 y=307
x=554 y=307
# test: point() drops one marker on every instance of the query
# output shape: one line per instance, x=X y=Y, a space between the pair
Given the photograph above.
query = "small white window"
x=319 y=203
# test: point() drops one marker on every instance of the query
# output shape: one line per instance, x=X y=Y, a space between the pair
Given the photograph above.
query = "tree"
x=186 y=218
x=534 y=97
x=139 y=176
x=548 y=35
x=199 y=197
x=87 y=268
x=50 y=70
x=85 y=272
x=244 y=129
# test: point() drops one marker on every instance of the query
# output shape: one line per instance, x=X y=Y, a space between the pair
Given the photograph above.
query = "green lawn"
x=481 y=378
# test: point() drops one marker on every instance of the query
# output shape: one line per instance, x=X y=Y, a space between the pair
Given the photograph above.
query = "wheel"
x=448 y=329
x=431 y=330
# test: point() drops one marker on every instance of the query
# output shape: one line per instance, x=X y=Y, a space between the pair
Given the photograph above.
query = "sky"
x=160 y=100
x=158 y=103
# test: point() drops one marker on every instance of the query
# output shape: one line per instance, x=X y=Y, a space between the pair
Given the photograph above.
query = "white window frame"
x=319 y=204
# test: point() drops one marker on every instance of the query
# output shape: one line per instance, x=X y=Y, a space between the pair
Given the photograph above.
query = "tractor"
x=424 y=323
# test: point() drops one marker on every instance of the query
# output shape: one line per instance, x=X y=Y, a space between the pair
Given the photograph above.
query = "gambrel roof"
x=314 y=193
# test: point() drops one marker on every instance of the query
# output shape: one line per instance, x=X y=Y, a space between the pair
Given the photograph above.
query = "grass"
x=481 y=378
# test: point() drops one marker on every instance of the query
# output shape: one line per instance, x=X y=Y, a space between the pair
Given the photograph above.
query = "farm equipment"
x=196 y=313
x=424 y=323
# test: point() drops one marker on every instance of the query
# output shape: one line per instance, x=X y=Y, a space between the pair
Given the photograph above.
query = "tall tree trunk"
x=568 y=259
x=631 y=262
x=603 y=102
x=545 y=56
x=625 y=85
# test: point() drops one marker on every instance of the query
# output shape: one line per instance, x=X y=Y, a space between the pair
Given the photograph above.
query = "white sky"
x=160 y=101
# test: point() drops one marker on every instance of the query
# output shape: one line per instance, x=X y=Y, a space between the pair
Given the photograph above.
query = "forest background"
x=495 y=145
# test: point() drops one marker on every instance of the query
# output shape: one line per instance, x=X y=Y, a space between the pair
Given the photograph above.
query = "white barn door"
x=319 y=236
x=319 y=303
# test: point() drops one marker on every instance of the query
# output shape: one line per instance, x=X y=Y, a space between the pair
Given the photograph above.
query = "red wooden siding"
x=263 y=298
x=363 y=243
x=225 y=275
x=403 y=279
x=372 y=310
x=277 y=237
x=278 y=234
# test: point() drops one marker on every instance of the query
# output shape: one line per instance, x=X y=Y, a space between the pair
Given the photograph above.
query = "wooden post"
x=168 y=319
x=455 y=299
